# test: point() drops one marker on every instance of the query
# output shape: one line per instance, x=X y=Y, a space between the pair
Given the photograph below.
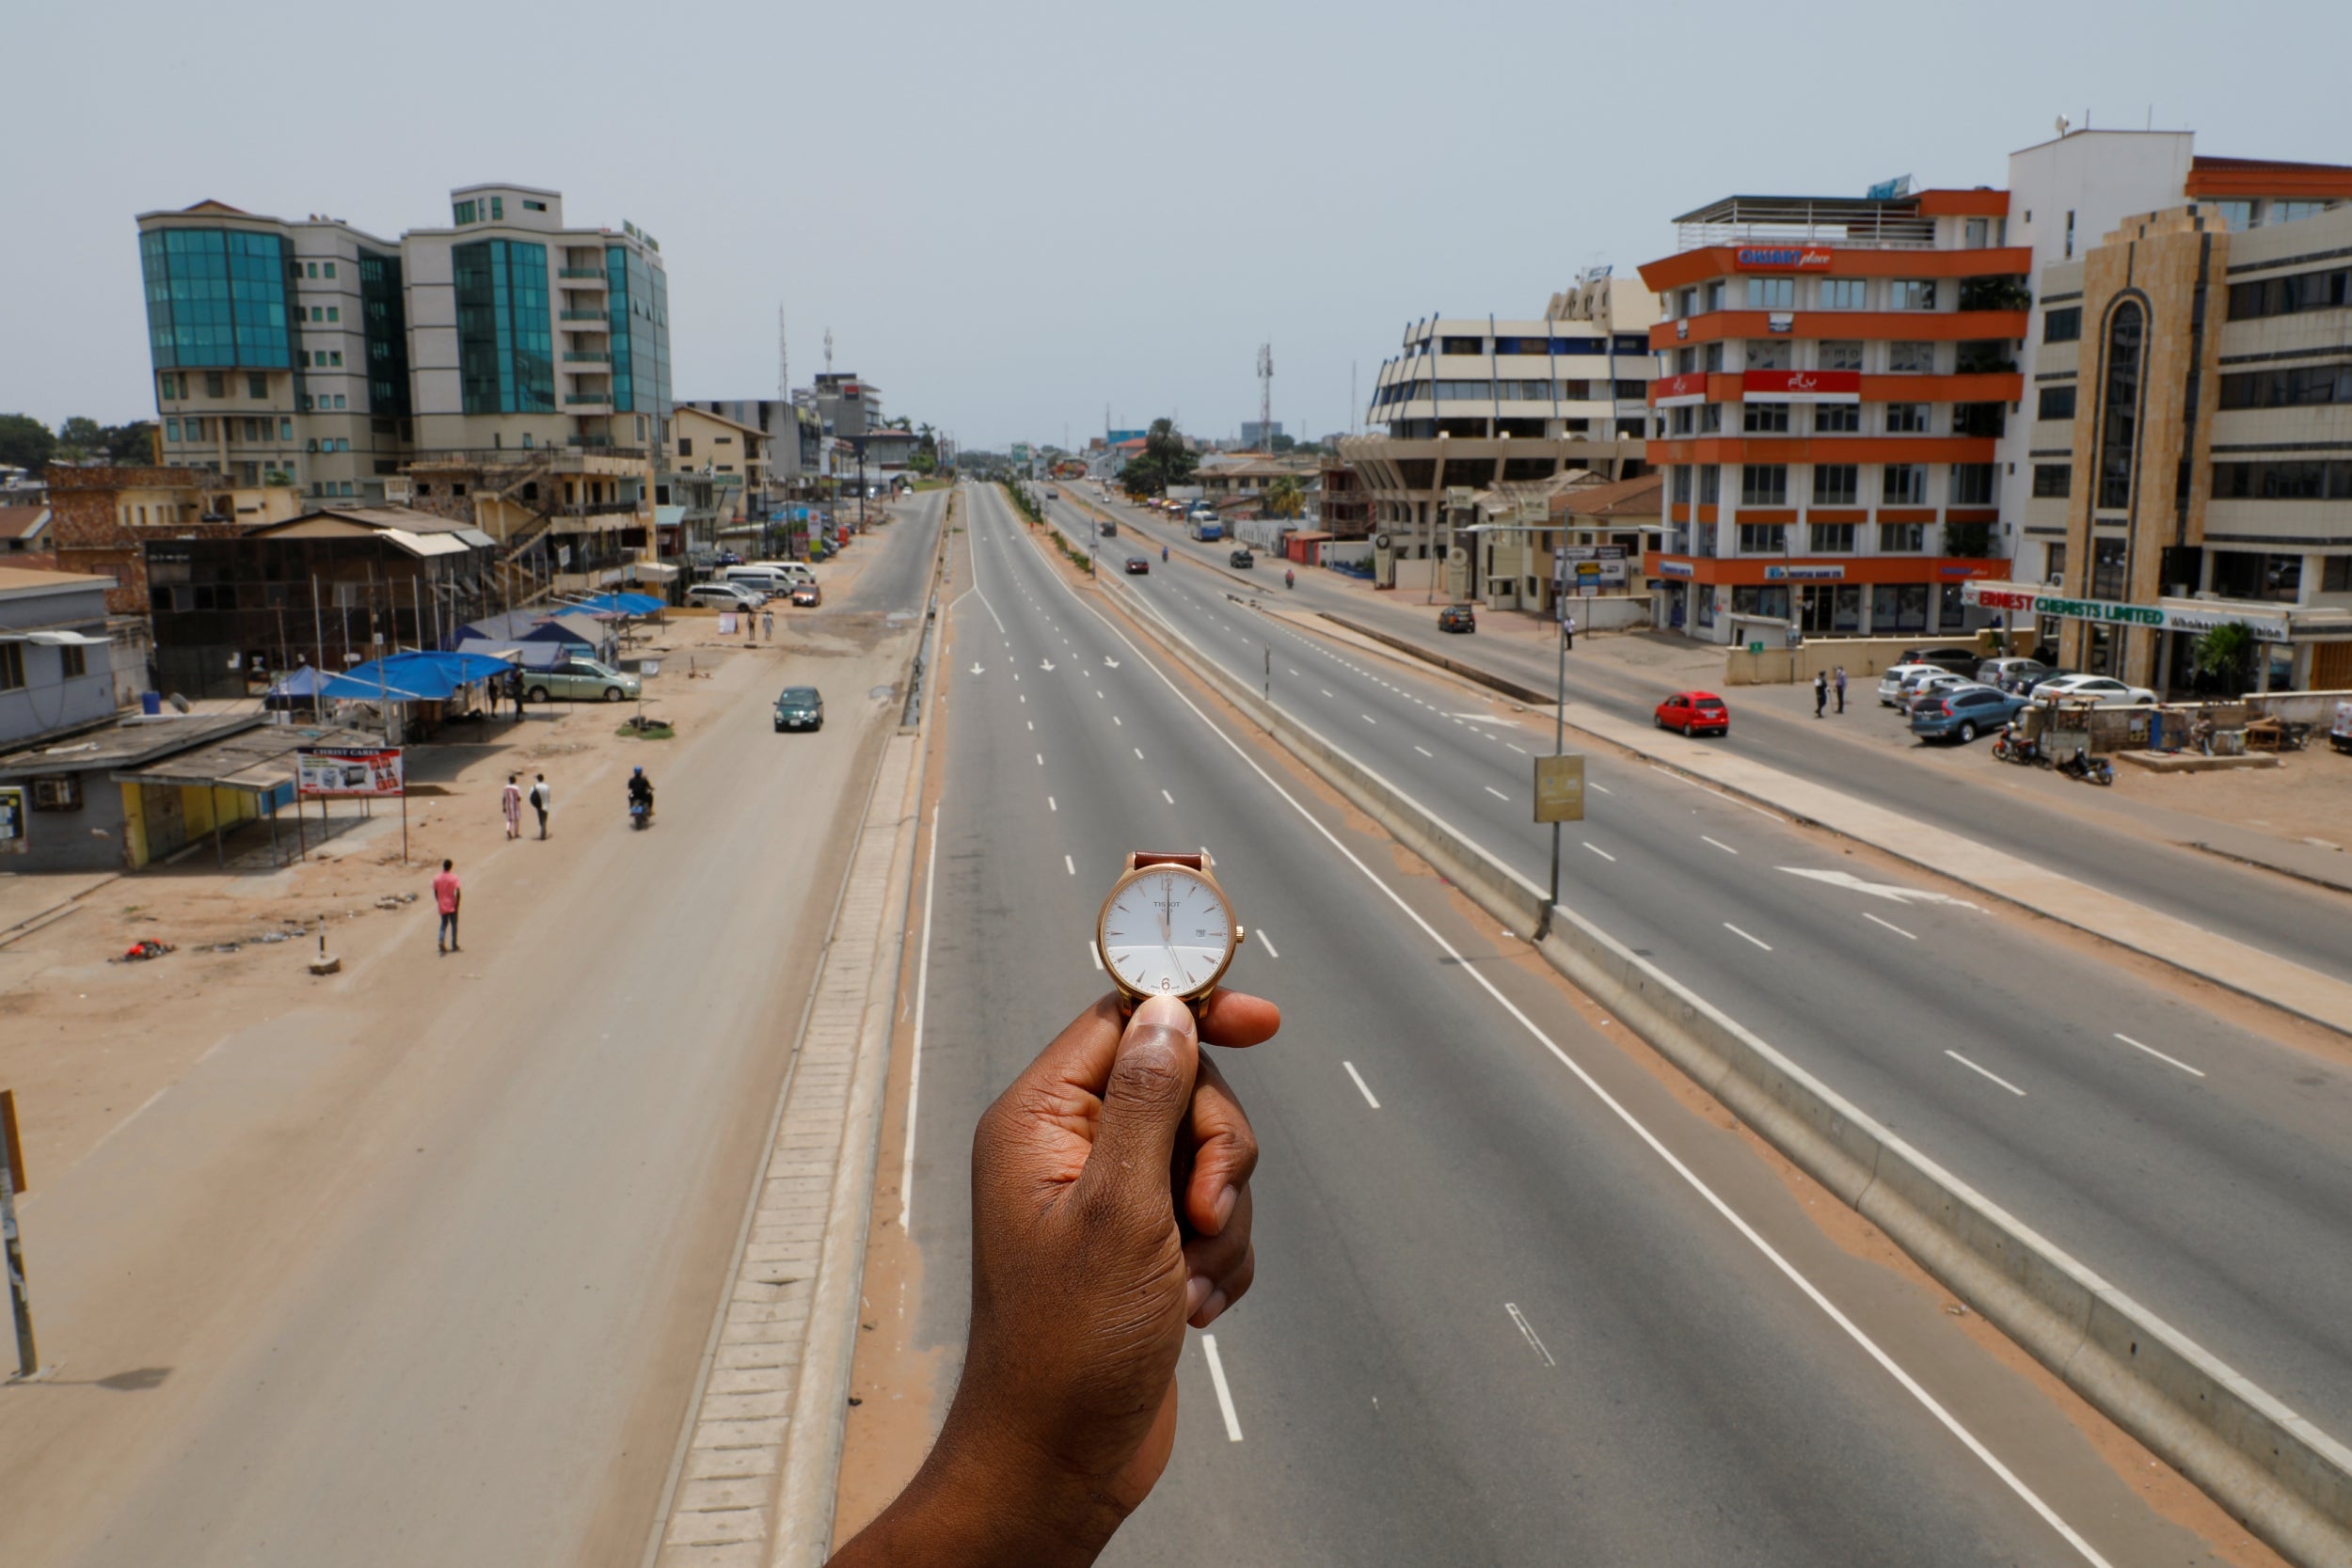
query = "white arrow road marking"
x=1046 y=665
x=976 y=669
x=1109 y=663
x=1878 y=890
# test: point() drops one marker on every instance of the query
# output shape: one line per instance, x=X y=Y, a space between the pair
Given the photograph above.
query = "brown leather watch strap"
x=1144 y=857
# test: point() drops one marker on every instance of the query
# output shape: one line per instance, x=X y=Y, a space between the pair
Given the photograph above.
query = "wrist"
x=984 y=1498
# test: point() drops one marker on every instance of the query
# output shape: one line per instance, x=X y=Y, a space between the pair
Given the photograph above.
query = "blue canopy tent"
x=620 y=604
x=418 y=677
x=302 y=687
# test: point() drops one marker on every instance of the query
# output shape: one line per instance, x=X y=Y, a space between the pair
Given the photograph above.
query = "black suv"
x=1457 y=617
x=1241 y=558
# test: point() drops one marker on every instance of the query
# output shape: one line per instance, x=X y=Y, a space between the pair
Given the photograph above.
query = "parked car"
x=1922 y=692
x=1897 y=676
x=2013 y=674
x=800 y=708
x=1695 y=713
x=2099 y=690
x=1958 y=659
x=724 y=596
x=1457 y=617
x=583 y=679
x=1137 y=566
x=806 y=596
x=726 y=558
x=1242 y=558
x=1964 y=714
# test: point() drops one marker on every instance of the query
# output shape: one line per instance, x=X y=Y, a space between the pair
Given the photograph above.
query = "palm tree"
x=1284 y=498
x=2225 y=653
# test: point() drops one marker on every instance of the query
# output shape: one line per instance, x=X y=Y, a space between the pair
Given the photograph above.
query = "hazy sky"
x=1012 y=215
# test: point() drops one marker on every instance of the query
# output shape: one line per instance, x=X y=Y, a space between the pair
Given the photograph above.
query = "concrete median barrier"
x=2287 y=1481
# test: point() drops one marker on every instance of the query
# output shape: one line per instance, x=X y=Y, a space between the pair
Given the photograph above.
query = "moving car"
x=1111 y=529
x=1457 y=617
x=1695 y=713
x=580 y=678
x=1137 y=566
x=807 y=595
x=800 y=708
x=2099 y=690
x=1899 y=676
x=2013 y=675
x=1241 y=558
x=1964 y=714
x=724 y=596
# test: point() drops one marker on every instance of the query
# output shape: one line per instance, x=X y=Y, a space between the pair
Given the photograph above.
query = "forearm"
x=971 y=1506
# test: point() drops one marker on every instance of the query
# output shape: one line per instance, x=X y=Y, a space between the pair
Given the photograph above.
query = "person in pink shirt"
x=445 y=895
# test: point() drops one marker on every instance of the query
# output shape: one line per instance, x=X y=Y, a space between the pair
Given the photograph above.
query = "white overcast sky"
x=1011 y=216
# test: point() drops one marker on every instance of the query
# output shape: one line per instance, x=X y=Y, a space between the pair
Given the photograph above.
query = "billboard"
x=370 y=770
x=1116 y=436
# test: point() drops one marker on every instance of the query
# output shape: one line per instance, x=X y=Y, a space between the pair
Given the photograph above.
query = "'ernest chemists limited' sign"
x=2026 y=601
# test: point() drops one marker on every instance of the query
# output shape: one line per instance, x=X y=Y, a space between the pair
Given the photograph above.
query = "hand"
x=1110 y=1207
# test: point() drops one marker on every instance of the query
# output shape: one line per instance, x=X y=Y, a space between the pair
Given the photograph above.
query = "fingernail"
x=1167 y=1012
x=1195 y=1292
x=1209 y=1312
x=1225 y=1201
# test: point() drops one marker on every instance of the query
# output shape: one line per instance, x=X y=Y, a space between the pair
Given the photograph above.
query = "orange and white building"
x=1835 y=373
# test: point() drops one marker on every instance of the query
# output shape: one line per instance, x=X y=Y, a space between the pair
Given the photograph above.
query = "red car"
x=1695 y=713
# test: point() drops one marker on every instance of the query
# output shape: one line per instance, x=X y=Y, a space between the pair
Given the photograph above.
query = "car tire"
x=1968 y=731
x=537 y=694
x=612 y=693
x=1690 y=731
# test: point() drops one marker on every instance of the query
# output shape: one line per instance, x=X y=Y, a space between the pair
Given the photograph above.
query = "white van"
x=798 y=571
x=766 y=580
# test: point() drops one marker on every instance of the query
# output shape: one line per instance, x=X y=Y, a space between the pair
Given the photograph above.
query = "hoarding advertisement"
x=370 y=770
x=1681 y=391
x=1801 y=386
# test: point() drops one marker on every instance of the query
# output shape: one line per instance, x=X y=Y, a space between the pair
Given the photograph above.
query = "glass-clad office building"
x=215 y=299
x=506 y=346
x=637 y=299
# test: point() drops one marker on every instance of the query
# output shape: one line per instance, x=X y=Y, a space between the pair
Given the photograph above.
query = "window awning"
x=54 y=639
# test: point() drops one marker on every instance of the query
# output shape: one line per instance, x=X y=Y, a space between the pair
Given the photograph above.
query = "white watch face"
x=1166 y=932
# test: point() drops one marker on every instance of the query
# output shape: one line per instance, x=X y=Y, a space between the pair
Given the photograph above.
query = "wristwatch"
x=1167 y=929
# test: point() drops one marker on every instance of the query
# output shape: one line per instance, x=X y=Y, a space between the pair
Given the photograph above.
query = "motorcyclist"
x=1163 y=555
x=1290 y=578
x=641 y=790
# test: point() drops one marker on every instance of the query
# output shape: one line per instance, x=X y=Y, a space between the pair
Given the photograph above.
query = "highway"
x=2199 y=1166
x=2302 y=924
x=1520 y=1298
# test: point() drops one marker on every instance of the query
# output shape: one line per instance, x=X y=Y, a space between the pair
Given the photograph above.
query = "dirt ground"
x=93 y=1039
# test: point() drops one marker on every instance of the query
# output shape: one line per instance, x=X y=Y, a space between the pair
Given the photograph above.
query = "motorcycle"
x=1290 y=580
x=641 y=810
x=2090 y=769
x=2011 y=745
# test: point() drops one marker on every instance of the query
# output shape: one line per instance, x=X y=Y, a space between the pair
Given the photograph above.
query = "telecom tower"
x=1265 y=395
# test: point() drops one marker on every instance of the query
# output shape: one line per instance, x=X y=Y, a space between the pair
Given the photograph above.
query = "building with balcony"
x=716 y=467
x=315 y=355
x=795 y=436
x=2185 y=459
x=1836 y=374
x=1471 y=402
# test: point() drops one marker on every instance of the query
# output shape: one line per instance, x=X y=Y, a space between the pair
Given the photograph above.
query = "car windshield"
x=798 y=696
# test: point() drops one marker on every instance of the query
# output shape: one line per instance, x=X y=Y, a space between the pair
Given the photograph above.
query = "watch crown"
x=1241 y=934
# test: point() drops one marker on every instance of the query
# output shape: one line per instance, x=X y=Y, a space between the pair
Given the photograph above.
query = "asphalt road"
x=1503 y=1312
x=2200 y=1166
x=422 y=1274
x=2305 y=925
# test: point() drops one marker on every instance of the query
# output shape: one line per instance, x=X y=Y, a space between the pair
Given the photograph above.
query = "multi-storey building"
x=281 y=349
x=1835 y=375
x=505 y=369
x=1475 y=401
x=2192 y=389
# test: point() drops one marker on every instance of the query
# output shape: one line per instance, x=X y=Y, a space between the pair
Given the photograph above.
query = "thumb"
x=1145 y=1103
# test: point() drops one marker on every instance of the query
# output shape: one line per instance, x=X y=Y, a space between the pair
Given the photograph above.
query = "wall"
x=89 y=839
x=1862 y=656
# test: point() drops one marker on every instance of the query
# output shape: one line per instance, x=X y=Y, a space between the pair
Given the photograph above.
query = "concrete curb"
x=2287 y=1481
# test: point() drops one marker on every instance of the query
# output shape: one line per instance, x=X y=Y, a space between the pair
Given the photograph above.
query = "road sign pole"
x=11 y=1176
x=1559 y=748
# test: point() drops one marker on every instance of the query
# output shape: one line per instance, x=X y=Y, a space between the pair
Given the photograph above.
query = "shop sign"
x=1590 y=568
x=12 y=819
x=1675 y=569
x=2003 y=595
x=1783 y=258
x=1801 y=386
x=348 y=770
x=1681 y=391
x=1804 y=574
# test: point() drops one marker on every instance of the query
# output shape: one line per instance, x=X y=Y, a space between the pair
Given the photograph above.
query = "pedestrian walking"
x=768 y=625
x=542 y=798
x=1567 y=629
x=1820 y=692
x=445 y=896
x=515 y=689
x=1842 y=689
x=511 y=805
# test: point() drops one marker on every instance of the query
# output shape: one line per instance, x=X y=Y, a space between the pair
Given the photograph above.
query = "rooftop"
x=25 y=580
x=125 y=743
x=1902 y=222
x=21 y=522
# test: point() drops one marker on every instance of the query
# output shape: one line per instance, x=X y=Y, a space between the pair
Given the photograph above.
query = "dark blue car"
x=1964 y=714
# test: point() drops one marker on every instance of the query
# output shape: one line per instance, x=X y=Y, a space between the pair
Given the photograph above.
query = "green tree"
x=80 y=437
x=1285 y=497
x=2226 y=653
x=25 y=441
x=1163 y=461
x=129 y=446
x=1283 y=443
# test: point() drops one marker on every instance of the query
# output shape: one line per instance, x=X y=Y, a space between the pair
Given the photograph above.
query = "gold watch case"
x=1142 y=863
